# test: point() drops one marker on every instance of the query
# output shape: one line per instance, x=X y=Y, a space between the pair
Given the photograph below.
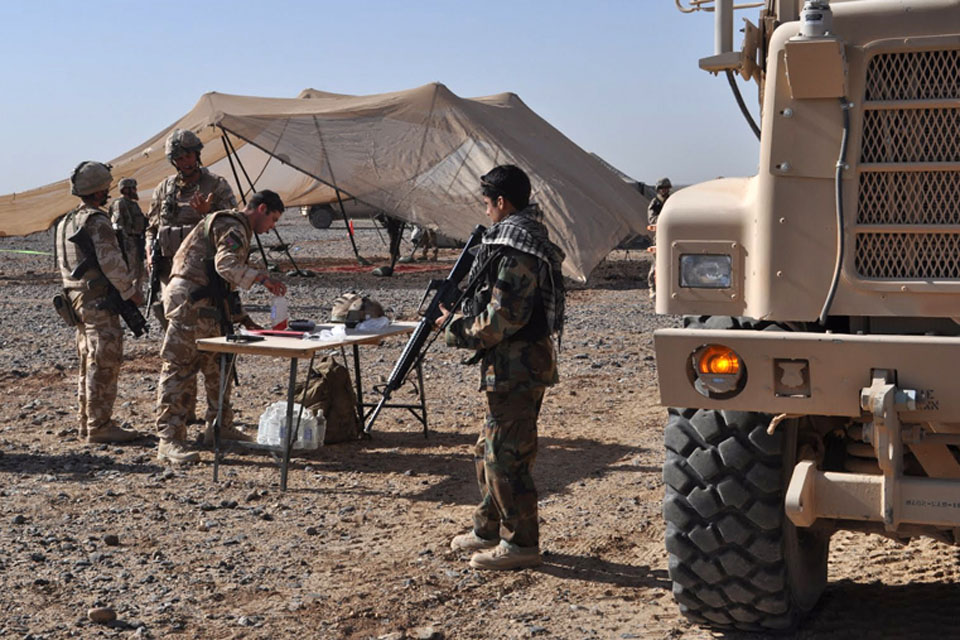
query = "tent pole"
x=343 y=211
x=243 y=198
x=318 y=179
x=346 y=223
x=253 y=189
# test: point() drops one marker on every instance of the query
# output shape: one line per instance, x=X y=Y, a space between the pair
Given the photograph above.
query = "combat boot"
x=507 y=556
x=173 y=451
x=226 y=433
x=110 y=432
x=471 y=542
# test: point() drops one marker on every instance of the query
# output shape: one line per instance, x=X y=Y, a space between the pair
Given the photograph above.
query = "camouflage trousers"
x=190 y=388
x=503 y=457
x=100 y=349
x=187 y=321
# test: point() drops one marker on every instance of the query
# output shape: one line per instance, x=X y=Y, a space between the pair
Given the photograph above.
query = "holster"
x=61 y=302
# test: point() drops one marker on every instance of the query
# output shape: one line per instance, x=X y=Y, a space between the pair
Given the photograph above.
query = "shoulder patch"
x=233 y=241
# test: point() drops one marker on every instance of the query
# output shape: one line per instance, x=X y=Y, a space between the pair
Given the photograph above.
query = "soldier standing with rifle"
x=179 y=203
x=509 y=321
x=131 y=227
x=95 y=279
x=200 y=303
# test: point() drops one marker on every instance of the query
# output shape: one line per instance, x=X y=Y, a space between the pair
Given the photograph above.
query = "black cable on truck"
x=845 y=107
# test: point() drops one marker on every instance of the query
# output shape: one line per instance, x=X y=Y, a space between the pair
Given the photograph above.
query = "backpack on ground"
x=331 y=393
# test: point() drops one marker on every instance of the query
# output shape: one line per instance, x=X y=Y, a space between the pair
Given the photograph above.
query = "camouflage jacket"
x=127 y=216
x=91 y=285
x=509 y=328
x=132 y=224
x=171 y=215
x=228 y=244
x=653 y=209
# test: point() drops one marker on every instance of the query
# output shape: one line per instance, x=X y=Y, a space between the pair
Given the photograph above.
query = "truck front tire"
x=735 y=560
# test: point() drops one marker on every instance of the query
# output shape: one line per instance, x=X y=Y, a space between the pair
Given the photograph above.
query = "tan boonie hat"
x=128 y=182
x=352 y=308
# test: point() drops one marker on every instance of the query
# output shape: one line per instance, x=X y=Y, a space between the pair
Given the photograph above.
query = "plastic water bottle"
x=272 y=429
x=279 y=313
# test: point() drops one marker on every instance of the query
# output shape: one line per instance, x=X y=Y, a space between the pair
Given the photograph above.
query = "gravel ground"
x=358 y=545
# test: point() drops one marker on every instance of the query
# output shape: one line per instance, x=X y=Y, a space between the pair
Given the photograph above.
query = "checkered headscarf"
x=525 y=231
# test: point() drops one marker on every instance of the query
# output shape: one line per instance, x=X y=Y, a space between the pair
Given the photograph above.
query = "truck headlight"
x=706 y=271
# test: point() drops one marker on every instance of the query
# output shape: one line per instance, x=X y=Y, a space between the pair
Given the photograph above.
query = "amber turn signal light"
x=717 y=371
x=717 y=359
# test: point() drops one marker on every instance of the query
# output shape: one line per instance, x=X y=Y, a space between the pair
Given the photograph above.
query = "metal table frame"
x=294 y=349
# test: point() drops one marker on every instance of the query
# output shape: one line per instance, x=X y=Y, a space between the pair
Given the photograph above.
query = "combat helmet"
x=664 y=183
x=90 y=177
x=352 y=308
x=182 y=141
x=127 y=182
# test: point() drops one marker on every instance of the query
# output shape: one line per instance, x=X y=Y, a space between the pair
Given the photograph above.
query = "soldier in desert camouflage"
x=179 y=203
x=210 y=263
x=98 y=331
x=131 y=226
x=517 y=308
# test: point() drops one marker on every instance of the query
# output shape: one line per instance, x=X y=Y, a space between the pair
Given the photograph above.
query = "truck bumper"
x=815 y=373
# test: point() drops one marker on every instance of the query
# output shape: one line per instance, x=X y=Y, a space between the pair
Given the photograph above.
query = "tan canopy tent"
x=416 y=154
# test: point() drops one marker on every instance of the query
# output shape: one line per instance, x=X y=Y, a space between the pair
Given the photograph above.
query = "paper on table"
x=338 y=331
x=374 y=324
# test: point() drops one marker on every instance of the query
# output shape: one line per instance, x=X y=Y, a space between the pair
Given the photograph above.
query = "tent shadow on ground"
x=70 y=467
x=592 y=569
x=560 y=463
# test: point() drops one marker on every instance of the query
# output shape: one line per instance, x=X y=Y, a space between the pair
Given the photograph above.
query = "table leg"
x=423 y=399
x=359 y=383
x=288 y=445
x=225 y=372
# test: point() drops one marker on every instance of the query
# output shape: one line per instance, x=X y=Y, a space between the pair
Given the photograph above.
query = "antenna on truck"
x=724 y=58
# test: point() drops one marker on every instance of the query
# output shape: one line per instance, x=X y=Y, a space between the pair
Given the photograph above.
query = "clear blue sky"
x=89 y=80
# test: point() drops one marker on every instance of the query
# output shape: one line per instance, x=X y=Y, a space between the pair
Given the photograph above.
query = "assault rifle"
x=155 y=268
x=112 y=301
x=448 y=294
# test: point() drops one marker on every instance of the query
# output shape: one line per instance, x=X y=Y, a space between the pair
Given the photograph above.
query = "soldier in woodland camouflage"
x=99 y=334
x=217 y=248
x=516 y=309
x=131 y=225
x=179 y=203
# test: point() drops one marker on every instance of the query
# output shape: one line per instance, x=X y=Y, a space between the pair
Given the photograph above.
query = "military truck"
x=817 y=365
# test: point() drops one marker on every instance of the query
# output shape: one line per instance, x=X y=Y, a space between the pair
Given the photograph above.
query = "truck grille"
x=908 y=216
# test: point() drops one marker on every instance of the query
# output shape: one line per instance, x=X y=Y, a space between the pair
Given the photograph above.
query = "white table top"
x=292 y=347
